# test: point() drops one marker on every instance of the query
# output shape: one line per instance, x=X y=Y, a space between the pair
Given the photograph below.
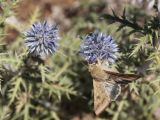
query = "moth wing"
x=104 y=93
x=121 y=76
x=101 y=99
x=102 y=73
x=113 y=90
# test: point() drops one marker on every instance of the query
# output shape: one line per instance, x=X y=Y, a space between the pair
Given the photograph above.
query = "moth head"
x=92 y=67
x=98 y=65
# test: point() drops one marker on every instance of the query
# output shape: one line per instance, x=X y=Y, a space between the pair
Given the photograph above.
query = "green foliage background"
x=61 y=89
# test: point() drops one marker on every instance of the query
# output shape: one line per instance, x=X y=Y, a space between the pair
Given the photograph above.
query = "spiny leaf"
x=34 y=16
x=139 y=45
x=124 y=14
x=26 y=112
x=42 y=73
x=16 y=82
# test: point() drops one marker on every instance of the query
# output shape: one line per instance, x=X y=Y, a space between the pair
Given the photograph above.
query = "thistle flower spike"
x=41 y=39
x=98 y=46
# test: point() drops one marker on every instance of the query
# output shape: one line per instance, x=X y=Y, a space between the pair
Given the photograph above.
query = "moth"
x=107 y=85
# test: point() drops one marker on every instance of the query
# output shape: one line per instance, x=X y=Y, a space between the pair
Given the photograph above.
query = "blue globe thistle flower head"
x=42 y=39
x=98 y=46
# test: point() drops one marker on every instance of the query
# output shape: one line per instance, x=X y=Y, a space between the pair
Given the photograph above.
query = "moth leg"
x=113 y=90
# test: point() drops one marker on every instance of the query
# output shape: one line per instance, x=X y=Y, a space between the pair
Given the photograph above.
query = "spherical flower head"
x=98 y=46
x=41 y=39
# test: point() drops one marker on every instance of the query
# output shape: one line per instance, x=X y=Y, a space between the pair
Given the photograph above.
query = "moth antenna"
x=99 y=62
